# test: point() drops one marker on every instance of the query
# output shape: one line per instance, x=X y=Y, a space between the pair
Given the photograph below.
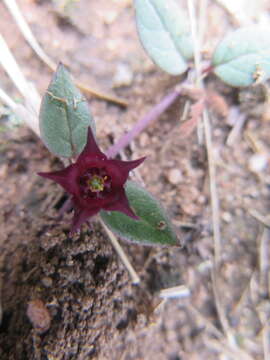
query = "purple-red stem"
x=153 y=114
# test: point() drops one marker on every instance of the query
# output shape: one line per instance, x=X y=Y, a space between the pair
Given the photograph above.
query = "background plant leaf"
x=153 y=228
x=164 y=32
x=64 y=116
x=243 y=57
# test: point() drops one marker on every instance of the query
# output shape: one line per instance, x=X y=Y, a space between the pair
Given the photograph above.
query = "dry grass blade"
x=235 y=354
x=13 y=70
x=21 y=111
x=1 y=310
x=264 y=254
x=207 y=129
x=239 y=120
x=244 y=298
x=220 y=344
x=7 y=100
x=202 y=24
x=266 y=341
x=263 y=310
x=120 y=252
x=175 y=292
x=213 y=190
x=30 y=38
x=195 y=40
x=27 y=33
x=196 y=110
x=207 y=323
x=101 y=95
x=29 y=112
x=265 y=220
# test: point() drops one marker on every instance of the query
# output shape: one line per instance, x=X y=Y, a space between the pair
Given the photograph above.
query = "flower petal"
x=122 y=205
x=119 y=170
x=91 y=151
x=66 y=178
x=80 y=216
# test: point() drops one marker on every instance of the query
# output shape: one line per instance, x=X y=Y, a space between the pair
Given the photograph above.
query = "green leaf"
x=153 y=228
x=243 y=57
x=164 y=32
x=64 y=116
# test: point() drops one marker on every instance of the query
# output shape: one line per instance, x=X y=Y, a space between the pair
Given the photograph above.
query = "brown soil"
x=83 y=305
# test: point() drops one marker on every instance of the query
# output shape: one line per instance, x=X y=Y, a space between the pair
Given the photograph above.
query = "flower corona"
x=95 y=183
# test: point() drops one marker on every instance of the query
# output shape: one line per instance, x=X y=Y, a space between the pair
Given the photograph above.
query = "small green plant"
x=95 y=182
x=241 y=59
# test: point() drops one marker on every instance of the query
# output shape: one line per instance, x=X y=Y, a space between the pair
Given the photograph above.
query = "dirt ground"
x=80 y=295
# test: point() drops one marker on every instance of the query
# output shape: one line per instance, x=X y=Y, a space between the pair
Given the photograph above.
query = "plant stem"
x=152 y=115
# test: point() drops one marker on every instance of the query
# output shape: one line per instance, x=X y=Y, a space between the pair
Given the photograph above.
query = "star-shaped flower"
x=95 y=183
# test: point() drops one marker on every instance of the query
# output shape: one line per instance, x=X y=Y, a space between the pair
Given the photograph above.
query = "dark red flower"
x=95 y=182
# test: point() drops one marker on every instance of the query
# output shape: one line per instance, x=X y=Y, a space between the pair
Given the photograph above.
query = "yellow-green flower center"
x=96 y=183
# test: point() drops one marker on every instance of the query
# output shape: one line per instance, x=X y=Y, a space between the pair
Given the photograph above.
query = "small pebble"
x=123 y=76
x=201 y=199
x=39 y=316
x=109 y=17
x=47 y=281
x=175 y=176
x=144 y=140
x=258 y=162
x=227 y=217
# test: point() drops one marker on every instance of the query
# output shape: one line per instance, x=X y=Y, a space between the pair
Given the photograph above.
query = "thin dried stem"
x=195 y=40
x=1 y=309
x=21 y=111
x=219 y=344
x=202 y=23
x=240 y=120
x=27 y=33
x=213 y=188
x=207 y=323
x=30 y=38
x=244 y=298
x=235 y=354
x=264 y=254
x=266 y=340
x=175 y=292
x=120 y=252
x=13 y=70
x=209 y=146
x=101 y=95
x=265 y=220
x=7 y=100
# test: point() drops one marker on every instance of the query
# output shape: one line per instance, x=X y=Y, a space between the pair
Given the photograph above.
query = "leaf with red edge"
x=153 y=226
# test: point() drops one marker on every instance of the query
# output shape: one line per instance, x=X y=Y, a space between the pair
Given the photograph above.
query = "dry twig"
x=30 y=38
x=213 y=193
x=134 y=276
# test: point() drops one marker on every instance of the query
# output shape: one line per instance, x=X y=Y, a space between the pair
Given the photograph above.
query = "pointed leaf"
x=243 y=57
x=64 y=116
x=164 y=32
x=153 y=227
